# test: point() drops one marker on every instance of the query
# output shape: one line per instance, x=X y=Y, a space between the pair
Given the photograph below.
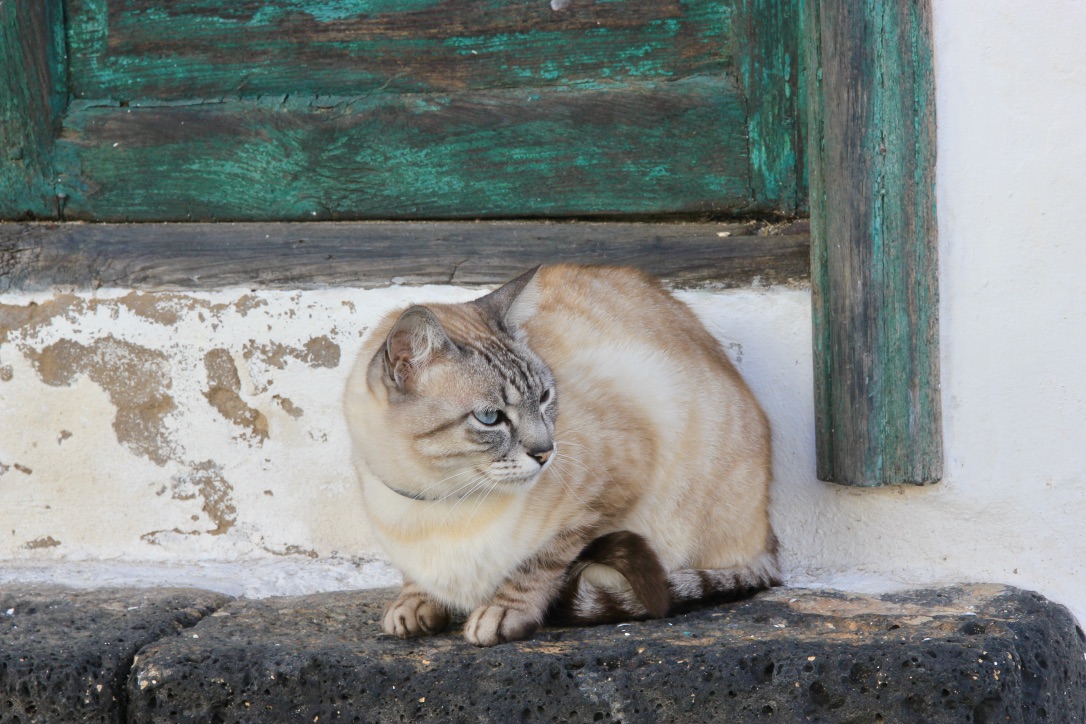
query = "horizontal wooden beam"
x=874 y=245
x=183 y=49
x=41 y=256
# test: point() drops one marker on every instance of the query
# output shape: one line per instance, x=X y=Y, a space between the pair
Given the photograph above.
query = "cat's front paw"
x=493 y=624
x=413 y=614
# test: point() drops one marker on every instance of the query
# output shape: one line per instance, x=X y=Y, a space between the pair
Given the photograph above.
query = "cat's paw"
x=493 y=624
x=413 y=614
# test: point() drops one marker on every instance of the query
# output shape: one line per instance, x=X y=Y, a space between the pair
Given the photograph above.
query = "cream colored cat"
x=574 y=444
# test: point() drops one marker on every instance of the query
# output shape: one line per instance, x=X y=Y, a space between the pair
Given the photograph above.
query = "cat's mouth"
x=515 y=474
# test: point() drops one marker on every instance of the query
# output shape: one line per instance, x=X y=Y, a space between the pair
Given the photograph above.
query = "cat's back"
x=592 y=310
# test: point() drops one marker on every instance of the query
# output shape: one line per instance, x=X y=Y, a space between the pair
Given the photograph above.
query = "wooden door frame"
x=874 y=245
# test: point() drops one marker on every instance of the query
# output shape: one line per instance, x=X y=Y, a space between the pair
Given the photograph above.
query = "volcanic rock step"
x=980 y=653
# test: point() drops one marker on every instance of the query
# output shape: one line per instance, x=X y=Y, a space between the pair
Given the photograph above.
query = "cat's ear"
x=515 y=302
x=415 y=339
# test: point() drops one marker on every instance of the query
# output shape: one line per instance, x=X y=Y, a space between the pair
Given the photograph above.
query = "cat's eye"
x=545 y=397
x=488 y=417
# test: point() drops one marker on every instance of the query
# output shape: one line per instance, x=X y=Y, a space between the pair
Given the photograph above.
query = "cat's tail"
x=619 y=577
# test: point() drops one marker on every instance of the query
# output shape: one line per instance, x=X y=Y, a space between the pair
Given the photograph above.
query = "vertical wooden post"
x=874 y=257
x=32 y=98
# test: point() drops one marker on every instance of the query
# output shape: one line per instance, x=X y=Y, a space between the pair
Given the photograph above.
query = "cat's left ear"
x=514 y=302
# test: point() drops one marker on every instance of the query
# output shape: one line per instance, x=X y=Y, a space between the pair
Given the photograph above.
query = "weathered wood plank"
x=38 y=256
x=874 y=265
x=770 y=64
x=133 y=49
x=32 y=97
x=640 y=148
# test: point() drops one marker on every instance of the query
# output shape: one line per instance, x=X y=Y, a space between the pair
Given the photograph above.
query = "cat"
x=574 y=446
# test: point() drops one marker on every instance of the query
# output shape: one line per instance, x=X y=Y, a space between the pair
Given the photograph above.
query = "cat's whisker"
x=484 y=496
x=558 y=473
x=479 y=484
x=569 y=459
x=431 y=486
x=468 y=485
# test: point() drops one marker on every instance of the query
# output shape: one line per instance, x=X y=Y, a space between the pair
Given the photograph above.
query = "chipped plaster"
x=167 y=426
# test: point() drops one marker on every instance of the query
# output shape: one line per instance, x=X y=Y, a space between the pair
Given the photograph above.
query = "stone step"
x=980 y=653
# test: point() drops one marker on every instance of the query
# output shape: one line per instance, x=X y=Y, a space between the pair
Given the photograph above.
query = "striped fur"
x=618 y=577
x=575 y=442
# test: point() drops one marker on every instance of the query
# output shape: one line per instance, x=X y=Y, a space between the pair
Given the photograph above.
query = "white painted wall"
x=1011 y=193
x=209 y=501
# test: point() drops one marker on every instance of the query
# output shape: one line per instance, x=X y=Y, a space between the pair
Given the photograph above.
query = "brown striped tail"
x=618 y=577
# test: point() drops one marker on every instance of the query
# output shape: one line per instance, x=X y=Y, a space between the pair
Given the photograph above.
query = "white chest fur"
x=459 y=551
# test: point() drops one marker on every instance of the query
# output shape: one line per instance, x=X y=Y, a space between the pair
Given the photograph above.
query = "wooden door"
x=145 y=110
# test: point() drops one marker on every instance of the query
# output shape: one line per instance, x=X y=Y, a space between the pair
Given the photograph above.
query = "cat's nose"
x=541 y=456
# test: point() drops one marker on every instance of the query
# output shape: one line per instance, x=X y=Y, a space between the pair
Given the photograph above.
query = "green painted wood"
x=32 y=97
x=770 y=64
x=636 y=148
x=874 y=264
x=184 y=49
x=277 y=255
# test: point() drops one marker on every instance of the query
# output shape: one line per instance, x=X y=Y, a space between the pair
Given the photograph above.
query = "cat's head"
x=465 y=405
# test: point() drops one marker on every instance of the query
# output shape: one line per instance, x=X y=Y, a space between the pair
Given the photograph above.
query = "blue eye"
x=488 y=417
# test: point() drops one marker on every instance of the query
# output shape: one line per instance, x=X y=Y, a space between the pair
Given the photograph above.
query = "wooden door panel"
x=141 y=110
x=641 y=148
x=133 y=49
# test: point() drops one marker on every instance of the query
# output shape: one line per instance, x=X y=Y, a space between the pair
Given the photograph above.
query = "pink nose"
x=541 y=456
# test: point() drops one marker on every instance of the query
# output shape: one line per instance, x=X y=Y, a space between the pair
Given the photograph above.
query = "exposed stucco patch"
x=46 y=542
x=247 y=303
x=317 y=352
x=291 y=550
x=23 y=469
x=6 y=373
x=135 y=378
x=224 y=393
x=157 y=308
x=203 y=481
x=31 y=317
x=321 y=352
x=289 y=407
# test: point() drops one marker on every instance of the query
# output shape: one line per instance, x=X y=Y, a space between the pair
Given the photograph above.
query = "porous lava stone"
x=65 y=655
x=979 y=653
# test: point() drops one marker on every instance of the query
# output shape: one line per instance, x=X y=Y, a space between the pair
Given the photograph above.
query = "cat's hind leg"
x=414 y=613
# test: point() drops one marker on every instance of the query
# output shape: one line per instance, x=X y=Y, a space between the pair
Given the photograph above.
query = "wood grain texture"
x=770 y=64
x=184 y=49
x=32 y=97
x=874 y=265
x=641 y=148
x=42 y=256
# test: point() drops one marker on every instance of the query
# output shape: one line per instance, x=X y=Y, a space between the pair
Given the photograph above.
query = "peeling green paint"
x=874 y=250
x=32 y=98
x=346 y=109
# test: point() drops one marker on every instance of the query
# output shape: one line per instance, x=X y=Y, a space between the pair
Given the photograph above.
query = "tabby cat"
x=574 y=446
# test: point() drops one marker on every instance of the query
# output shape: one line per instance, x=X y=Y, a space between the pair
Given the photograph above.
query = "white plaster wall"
x=1011 y=192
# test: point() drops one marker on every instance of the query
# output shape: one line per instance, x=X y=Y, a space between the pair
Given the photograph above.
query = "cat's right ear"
x=514 y=302
x=415 y=339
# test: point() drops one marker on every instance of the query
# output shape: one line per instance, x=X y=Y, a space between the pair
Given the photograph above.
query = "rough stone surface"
x=963 y=654
x=65 y=655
